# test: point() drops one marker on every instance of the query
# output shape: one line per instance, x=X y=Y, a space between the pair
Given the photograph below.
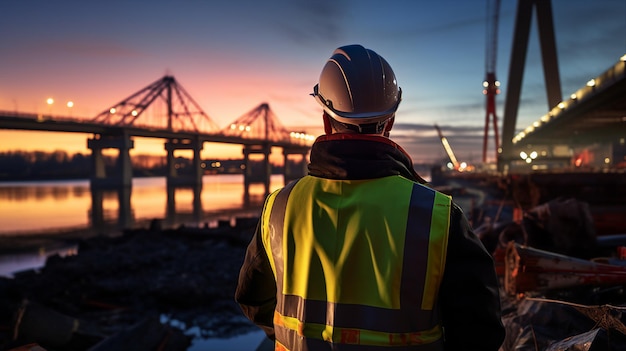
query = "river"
x=36 y=207
x=58 y=207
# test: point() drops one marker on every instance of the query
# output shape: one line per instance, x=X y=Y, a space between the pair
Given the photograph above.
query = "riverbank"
x=162 y=282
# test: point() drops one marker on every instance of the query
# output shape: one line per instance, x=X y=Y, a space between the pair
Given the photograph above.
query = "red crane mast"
x=491 y=86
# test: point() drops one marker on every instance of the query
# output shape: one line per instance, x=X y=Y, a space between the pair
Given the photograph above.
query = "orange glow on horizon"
x=73 y=143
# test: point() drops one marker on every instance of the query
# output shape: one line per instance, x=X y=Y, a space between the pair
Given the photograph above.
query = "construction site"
x=551 y=210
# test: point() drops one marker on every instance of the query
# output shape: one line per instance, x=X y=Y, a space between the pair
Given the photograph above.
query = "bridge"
x=165 y=110
x=592 y=116
x=594 y=113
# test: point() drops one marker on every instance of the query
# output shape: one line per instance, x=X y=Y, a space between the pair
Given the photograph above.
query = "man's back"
x=350 y=234
x=358 y=256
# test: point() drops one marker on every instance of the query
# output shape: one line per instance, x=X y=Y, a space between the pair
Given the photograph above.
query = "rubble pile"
x=562 y=287
x=534 y=324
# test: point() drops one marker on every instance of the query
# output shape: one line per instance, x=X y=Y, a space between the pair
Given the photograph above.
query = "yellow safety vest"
x=358 y=263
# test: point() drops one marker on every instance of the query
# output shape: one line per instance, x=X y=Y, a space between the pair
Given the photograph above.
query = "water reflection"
x=35 y=207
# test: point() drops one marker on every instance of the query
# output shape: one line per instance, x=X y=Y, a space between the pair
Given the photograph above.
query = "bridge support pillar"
x=171 y=213
x=191 y=178
x=123 y=173
x=98 y=215
x=295 y=170
x=251 y=175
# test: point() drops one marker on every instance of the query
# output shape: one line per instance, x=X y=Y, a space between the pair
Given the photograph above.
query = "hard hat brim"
x=356 y=118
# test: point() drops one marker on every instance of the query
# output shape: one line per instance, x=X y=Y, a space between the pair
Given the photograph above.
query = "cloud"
x=50 y=50
x=303 y=22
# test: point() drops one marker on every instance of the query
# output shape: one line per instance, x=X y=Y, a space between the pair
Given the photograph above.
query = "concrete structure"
x=592 y=119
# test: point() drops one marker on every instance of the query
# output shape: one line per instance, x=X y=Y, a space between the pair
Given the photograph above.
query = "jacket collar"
x=359 y=156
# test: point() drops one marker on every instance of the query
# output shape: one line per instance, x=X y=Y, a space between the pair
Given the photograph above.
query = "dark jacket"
x=468 y=296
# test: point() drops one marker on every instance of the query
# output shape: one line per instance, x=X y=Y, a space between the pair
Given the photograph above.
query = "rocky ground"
x=142 y=290
x=148 y=288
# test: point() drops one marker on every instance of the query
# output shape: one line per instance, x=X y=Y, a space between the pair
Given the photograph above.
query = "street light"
x=70 y=104
x=50 y=101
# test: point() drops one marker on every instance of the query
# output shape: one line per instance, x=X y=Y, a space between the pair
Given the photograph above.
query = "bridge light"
x=561 y=105
x=523 y=155
x=573 y=96
x=485 y=84
x=112 y=110
x=233 y=126
x=134 y=113
x=520 y=136
x=591 y=83
x=70 y=104
x=50 y=101
x=301 y=135
x=623 y=58
x=533 y=155
x=497 y=83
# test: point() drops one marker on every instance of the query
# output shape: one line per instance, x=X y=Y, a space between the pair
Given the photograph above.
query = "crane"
x=491 y=86
x=448 y=148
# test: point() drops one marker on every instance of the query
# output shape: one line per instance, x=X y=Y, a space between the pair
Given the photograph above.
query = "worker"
x=361 y=254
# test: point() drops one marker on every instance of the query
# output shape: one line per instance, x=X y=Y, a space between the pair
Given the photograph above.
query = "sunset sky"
x=231 y=56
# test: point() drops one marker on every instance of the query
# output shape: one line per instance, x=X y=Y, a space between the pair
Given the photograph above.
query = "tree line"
x=33 y=165
x=42 y=165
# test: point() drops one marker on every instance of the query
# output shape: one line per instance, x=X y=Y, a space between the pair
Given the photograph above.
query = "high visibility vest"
x=357 y=263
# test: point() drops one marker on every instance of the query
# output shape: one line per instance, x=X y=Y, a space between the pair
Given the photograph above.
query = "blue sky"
x=233 y=55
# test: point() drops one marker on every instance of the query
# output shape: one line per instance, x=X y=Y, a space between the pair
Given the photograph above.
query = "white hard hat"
x=357 y=86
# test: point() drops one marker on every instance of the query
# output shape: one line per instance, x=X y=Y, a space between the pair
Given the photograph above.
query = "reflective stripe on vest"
x=394 y=303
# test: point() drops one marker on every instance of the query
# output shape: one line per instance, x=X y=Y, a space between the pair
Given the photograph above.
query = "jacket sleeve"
x=256 y=288
x=469 y=293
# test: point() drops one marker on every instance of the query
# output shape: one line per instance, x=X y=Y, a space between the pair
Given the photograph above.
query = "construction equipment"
x=491 y=86
x=448 y=149
x=529 y=269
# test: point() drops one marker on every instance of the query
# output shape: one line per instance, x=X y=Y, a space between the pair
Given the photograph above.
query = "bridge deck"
x=595 y=113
